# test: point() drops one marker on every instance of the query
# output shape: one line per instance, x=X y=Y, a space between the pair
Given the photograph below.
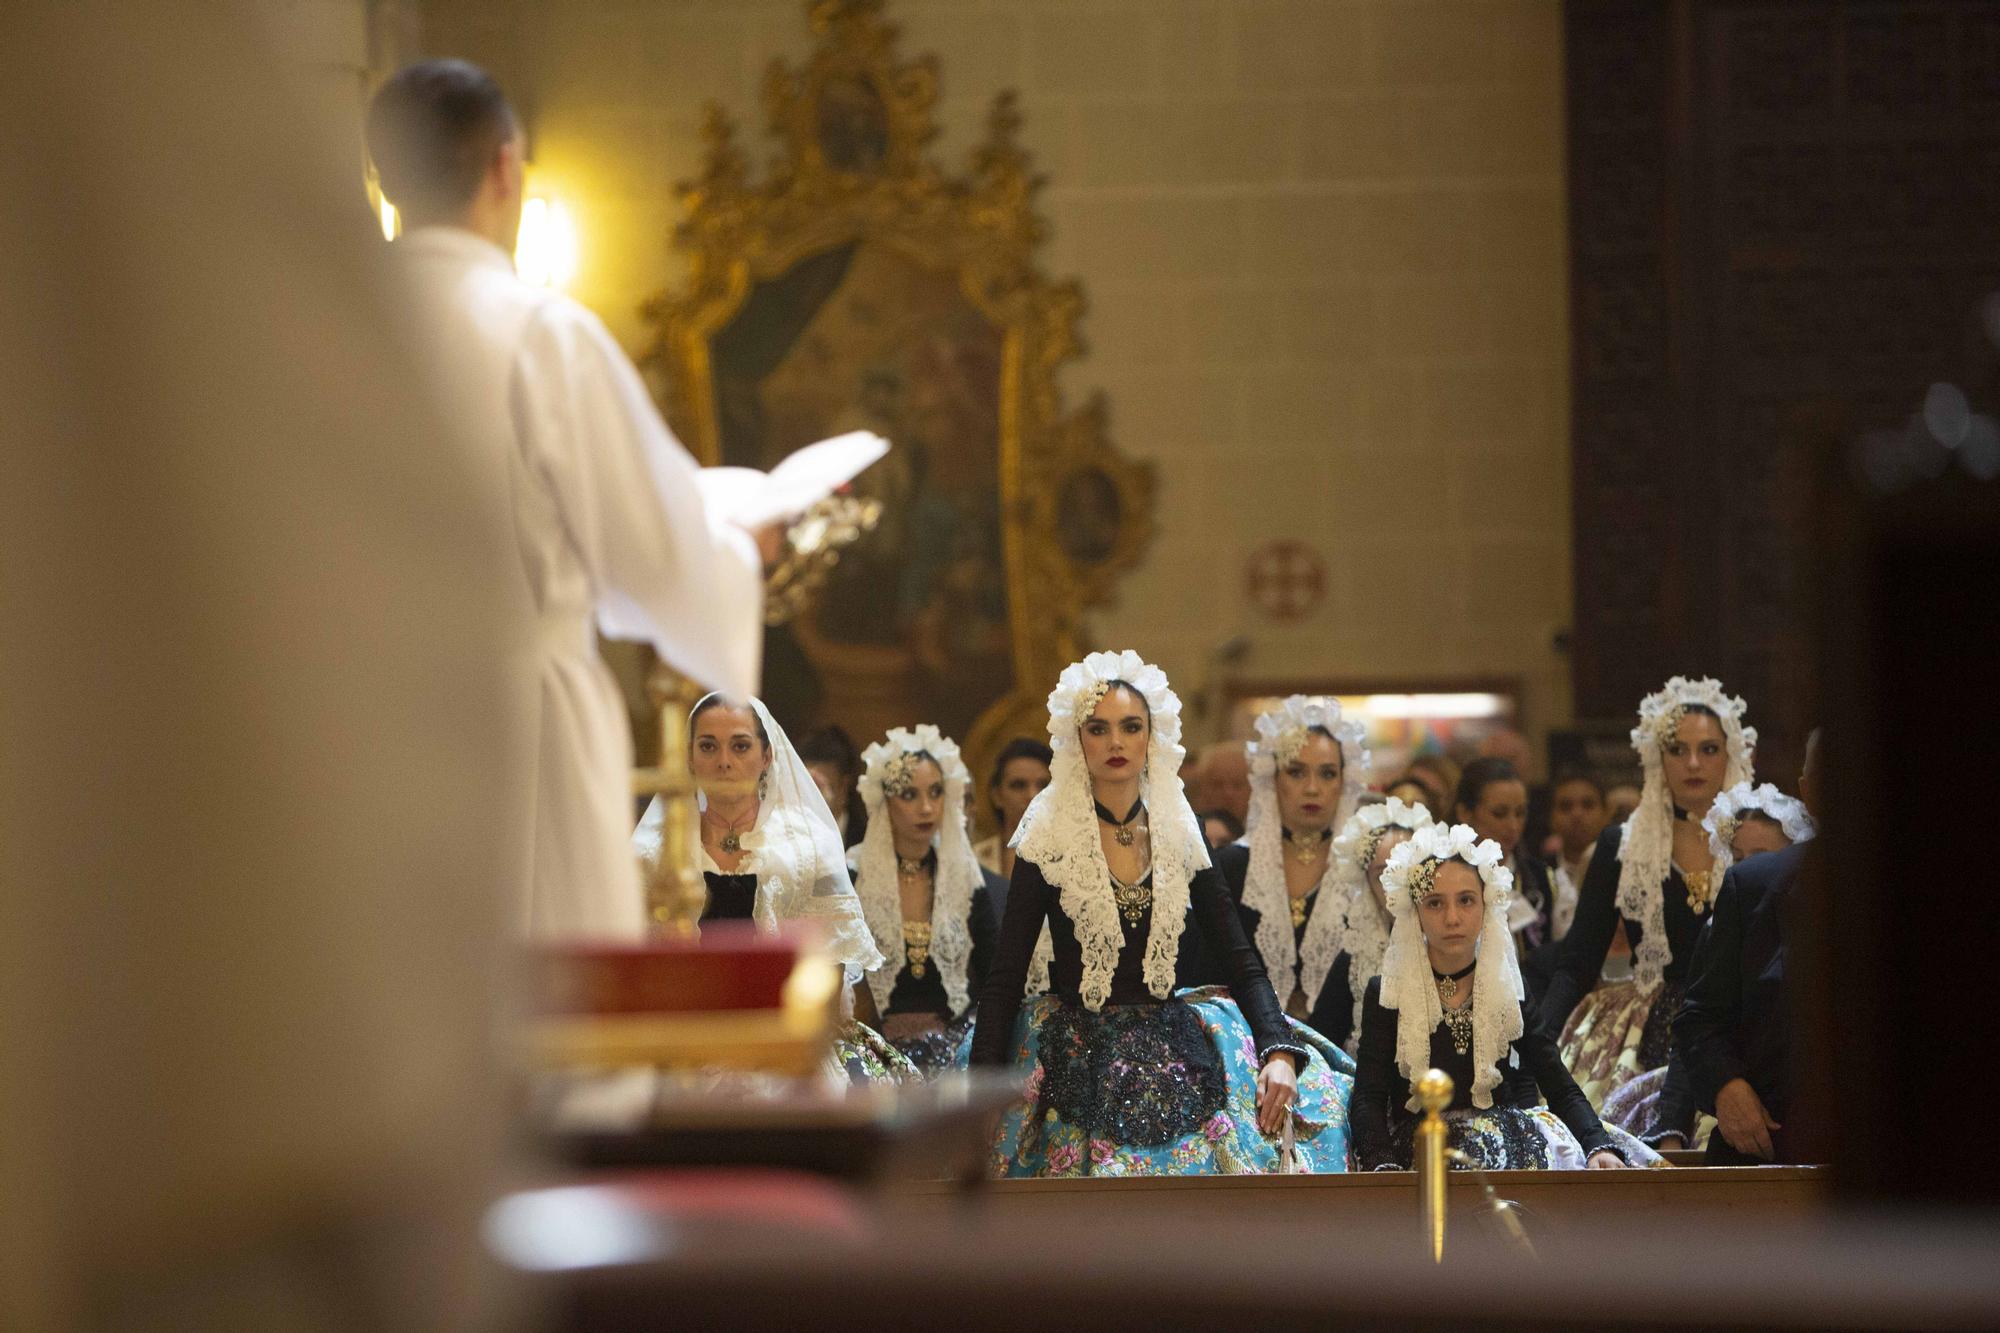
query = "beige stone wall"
x=1323 y=242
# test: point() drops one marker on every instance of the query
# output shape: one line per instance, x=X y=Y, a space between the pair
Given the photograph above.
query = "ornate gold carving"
x=852 y=125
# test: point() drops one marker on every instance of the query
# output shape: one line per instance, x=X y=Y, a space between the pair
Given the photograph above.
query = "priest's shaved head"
x=448 y=148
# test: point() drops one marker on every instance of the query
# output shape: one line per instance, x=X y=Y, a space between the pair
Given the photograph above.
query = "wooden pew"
x=1554 y=1204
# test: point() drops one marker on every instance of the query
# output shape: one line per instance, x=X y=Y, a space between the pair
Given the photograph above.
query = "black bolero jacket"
x=1032 y=900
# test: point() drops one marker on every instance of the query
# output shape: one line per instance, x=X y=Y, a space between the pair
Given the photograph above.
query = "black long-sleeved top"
x=1032 y=900
x=926 y=994
x=1332 y=1013
x=1381 y=1091
x=730 y=897
x=1734 y=1023
x=1580 y=956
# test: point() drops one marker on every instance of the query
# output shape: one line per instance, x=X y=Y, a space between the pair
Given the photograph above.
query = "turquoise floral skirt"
x=1162 y=1090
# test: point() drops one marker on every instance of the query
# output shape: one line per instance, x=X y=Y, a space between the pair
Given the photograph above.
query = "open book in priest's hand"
x=752 y=499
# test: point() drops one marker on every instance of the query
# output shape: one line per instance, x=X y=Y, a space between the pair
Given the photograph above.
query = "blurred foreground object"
x=257 y=808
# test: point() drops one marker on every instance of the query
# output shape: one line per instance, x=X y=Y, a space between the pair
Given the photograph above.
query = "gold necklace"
x=1700 y=887
x=917 y=946
x=1307 y=847
x=1300 y=907
x=1457 y=1021
x=1133 y=899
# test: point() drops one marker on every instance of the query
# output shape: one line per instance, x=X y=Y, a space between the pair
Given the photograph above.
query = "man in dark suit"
x=1733 y=1030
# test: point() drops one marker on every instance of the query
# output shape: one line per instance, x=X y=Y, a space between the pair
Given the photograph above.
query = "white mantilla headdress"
x=1363 y=935
x=885 y=771
x=1059 y=831
x=1646 y=848
x=795 y=853
x=1281 y=733
x=1407 y=984
x=1732 y=807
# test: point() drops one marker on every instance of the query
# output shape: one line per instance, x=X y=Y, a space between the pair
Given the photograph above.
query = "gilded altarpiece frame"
x=861 y=284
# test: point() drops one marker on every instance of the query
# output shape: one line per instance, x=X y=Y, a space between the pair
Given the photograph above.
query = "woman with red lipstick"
x=1655 y=873
x=1307 y=773
x=1126 y=1075
x=924 y=895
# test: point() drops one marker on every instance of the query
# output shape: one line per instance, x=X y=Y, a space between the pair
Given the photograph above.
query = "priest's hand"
x=1741 y=1119
x=1277 y=1088
x=1605 y=1160
x=771 y=542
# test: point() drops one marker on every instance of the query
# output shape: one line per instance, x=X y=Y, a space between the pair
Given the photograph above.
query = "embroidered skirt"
x=1616 y=1034
x=862 y=1056
x=940 y=1049
x=1514 y=1138
x=1634 y=1107
x=1161 y=1089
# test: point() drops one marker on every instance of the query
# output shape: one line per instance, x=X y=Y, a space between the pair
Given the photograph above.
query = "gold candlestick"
x=1434 y=1093
x=676 y=893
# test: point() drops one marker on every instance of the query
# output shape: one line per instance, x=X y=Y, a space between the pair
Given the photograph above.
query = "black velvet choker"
x=1112 y=819
x=1681 y=814
x=1459 y=975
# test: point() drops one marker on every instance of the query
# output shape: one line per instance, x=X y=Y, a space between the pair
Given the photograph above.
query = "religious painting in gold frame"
x=861 y=285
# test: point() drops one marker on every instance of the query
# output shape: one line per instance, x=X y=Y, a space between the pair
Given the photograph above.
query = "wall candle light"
x=545 y=248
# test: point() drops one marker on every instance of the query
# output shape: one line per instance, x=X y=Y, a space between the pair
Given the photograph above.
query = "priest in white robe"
x=612 y=530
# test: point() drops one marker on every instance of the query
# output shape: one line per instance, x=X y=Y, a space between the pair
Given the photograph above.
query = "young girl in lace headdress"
x=770 y=852
x=1307 y=772
x=1125 y=1074
x=1656 y=874
x=1745 y=821
x=924 y=895
x=1450 y=998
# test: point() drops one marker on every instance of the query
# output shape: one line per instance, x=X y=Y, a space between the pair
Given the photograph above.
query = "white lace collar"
x=1646 y=845
x=1058 y=834
x=1407 y=983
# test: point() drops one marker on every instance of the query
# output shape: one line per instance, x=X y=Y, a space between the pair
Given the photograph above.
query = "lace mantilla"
x=1281 y=733
x=1059 y=831
x=1407 y=985
x=1363 y=933
x=886 y=770
x=1732 y=807
x=1646 y=847
x=795 y=853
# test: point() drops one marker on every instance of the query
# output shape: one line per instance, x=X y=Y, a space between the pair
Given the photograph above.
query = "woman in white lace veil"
x=1127 y=1072
x=1308 y=769
x=1655 y=876
x=770 y=851
x=923 y=893
x=1361 y=853
x=1450 y=997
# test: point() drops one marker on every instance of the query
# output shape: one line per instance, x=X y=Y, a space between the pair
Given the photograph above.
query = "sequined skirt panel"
x=1617 y=1033
x=1167 y=1089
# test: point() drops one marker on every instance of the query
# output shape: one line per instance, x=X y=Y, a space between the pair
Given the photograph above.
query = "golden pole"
x=1434 y=1092
x=676 y=893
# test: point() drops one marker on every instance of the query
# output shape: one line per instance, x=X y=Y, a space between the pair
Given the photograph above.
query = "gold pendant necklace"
x=1123 y=829
x=1306 y=848
x=1700 y=887
x=917 y=946
x=1132 y=899
x=1300 y=907
x=1457 y=1021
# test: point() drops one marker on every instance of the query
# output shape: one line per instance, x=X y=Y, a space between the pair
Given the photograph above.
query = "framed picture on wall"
x=1404 y=717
